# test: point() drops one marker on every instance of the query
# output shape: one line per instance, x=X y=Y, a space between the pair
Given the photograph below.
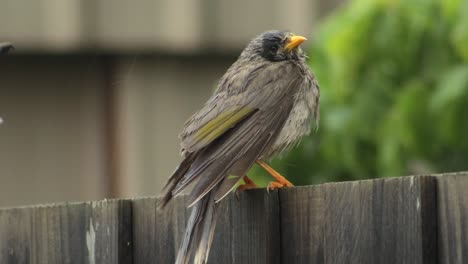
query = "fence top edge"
x=93 y=203
x=99 y=203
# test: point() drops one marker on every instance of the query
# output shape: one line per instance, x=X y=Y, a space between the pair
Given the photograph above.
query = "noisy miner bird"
x=5 y=47
x=263 y=105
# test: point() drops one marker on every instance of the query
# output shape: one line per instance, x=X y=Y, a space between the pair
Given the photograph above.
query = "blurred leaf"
x=460 y=32
x=452 y=85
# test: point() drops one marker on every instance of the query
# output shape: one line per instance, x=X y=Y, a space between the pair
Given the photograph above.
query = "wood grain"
x=302 y=219
x=378 y=221
x=452 y=202
x=158 y=233
x=247 y=229
x=414 y=219
x=95 y=232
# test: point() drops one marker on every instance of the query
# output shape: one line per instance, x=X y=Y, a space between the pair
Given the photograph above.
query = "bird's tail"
x=199 y=231
x=176 y=176
x=201 y=223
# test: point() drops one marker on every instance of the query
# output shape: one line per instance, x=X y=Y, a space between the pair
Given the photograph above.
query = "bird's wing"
x=241 y=92
x=234 y=151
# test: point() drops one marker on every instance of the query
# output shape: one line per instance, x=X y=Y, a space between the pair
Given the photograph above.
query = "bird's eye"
x=274 y=48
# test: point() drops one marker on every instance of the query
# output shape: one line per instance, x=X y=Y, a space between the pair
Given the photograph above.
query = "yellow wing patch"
x=220 y=124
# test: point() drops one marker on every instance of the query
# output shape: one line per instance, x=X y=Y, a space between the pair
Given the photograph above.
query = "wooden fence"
x=414 y=219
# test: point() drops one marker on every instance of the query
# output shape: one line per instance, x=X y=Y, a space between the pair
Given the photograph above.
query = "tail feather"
x=176 y=176
x=199 y=232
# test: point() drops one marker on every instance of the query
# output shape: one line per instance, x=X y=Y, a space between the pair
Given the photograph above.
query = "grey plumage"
x=263 y=105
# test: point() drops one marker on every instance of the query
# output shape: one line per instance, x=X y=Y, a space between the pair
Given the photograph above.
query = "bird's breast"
x=303 y=113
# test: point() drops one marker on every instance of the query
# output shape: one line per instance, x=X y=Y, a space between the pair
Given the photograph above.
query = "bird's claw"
x=277 y=185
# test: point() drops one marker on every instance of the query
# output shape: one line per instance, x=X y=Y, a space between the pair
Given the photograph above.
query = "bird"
x=5 y=47
x=267 y=100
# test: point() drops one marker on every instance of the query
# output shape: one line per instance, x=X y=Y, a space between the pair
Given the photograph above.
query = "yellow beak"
x=294 y=41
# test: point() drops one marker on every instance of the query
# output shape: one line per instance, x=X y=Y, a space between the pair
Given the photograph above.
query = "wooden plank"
x=157 y=233
x=247 y=229
x=94 y=232
x=302 y=222
x=415 y=219
x=452 y=202
x=379 y=221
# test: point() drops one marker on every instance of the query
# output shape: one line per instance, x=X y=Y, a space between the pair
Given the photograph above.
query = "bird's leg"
x=280 y=180
x=248 y=184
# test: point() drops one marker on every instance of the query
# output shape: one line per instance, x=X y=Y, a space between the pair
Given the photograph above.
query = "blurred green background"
x=394 y=93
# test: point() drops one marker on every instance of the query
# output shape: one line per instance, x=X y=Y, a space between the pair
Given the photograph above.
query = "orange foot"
x=273 y=185
x=280 y=180
x=248 y=184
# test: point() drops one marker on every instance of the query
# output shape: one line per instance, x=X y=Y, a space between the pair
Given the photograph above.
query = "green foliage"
x=394 y=92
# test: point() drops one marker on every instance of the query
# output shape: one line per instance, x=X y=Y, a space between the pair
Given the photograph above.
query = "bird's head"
x=274 y=46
